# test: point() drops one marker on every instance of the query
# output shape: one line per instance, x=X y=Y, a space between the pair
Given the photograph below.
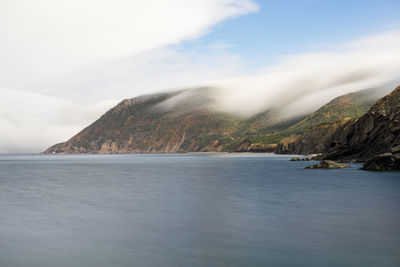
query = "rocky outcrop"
x=328 y=164
x=288 y=145
x=247 y=146
x=383 y=162
x=375 y=133
x=300 y=159
x=318 y=139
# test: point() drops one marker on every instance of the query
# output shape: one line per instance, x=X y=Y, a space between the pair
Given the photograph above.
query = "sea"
x=222 y=209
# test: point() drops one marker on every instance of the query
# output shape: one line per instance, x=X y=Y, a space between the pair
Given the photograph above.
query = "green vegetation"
x=351 y=106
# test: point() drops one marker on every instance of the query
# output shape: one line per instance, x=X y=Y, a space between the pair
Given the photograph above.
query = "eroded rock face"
x=328 y=164
x=383 y=162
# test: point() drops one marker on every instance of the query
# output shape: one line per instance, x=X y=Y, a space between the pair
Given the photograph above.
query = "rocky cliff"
x=375 y=133
x=248 y=146
x=318 y=139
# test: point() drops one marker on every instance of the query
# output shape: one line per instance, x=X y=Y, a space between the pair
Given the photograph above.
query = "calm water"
x=194 y=210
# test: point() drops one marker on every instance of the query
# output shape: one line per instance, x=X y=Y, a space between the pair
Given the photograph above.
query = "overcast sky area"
x=64 y=63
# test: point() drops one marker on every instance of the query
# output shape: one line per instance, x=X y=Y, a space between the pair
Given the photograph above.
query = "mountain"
x=169 y=123
x=140 y=125
x=183 y=121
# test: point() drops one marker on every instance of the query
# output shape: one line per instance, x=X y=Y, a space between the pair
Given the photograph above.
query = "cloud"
x=29 y=122
x=143 y=73
x=300 y=84
x=43 y=39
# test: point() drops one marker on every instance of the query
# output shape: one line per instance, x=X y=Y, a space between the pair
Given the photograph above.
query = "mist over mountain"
x=187 y=121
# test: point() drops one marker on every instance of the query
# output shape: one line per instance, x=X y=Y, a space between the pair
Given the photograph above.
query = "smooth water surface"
x=194 y=210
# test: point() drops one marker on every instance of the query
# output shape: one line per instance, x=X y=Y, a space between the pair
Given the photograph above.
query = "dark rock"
x=383 y=162
x=333 y=144
x=300 y=159
x=328 y=164
x=395 y=130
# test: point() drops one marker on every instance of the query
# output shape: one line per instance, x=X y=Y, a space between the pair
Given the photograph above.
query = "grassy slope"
x=349 y=106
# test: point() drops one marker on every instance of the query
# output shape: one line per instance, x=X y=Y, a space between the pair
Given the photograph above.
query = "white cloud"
x=42 y=39
x=300 y=84
x=30 y=122
x=158 y=69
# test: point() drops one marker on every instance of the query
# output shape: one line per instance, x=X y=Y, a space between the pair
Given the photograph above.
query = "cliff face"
x=248 y=146
x=375 y=133
x=318 y=139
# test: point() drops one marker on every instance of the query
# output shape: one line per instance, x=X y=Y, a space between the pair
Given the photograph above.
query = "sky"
x=64 y=63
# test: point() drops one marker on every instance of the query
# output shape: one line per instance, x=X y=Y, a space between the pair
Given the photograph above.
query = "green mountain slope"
x=349 y=106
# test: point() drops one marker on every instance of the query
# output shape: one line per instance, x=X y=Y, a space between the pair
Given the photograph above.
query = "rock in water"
x=383 y=162
x=328 y=164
